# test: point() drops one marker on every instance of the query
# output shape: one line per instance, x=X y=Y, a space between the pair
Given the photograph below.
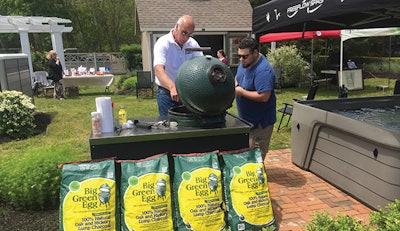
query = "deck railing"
x=113 y=60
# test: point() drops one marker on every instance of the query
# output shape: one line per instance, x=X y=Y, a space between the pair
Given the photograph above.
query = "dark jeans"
x=164 y=101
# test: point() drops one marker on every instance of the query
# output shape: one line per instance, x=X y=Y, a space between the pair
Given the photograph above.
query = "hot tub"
x=363 y=159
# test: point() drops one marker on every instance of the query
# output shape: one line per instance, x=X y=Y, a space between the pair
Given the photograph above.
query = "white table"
x=351 y=78
x=329 y=72
x=88 y=80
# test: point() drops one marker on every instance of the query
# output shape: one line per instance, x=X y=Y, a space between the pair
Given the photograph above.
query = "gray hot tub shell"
x=360 y=158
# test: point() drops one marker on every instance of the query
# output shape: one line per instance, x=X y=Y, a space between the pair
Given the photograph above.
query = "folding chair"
x=41 y=82
x=278 y=78
x=144 y=81
x=288 y=109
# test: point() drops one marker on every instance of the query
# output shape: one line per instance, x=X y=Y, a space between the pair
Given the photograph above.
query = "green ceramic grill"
x=206 y=88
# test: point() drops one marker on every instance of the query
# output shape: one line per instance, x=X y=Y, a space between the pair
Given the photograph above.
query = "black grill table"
x=141 y=142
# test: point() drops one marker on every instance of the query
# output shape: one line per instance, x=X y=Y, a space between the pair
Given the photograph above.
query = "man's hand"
x=174 y=94
x=239 y=91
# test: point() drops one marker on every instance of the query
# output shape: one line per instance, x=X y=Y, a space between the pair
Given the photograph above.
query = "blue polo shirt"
x=260 y=78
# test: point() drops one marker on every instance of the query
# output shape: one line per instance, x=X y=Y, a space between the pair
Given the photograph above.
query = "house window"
x=233 y=44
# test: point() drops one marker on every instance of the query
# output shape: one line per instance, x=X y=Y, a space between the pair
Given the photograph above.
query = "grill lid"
x=205 y=86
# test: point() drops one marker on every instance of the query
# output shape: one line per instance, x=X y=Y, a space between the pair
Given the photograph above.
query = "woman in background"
x=222 y=57
x=55 y=74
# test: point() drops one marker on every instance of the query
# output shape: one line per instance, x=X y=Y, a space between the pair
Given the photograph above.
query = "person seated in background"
x=351 y=64
x=222 y=57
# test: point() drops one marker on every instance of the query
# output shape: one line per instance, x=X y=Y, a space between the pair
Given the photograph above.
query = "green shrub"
x=129 y=83
x=122 y=79
x=324 y=222
x=132 y=55
x=292 y=64
x=33 y=181
x=387 y=219
x=16 y=114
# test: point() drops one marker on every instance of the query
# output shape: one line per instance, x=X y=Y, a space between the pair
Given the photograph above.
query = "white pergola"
x=36 y=24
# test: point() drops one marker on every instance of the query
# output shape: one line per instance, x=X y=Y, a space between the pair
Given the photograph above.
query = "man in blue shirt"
x=169 y=54
x=255 y=95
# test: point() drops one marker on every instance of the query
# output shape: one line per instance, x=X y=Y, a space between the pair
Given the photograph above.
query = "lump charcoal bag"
x=246 y=190
x=88 y=196
x=146 y=194
x=198 y=192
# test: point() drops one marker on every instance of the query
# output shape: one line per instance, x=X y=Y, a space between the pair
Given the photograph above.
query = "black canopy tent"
x=302 y=15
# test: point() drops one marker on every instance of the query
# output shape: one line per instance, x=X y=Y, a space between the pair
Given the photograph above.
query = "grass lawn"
x=71 y=124
x=68 y=136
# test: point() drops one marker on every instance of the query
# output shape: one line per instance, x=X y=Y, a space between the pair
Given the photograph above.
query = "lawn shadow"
x=40 y=119
x=91 y=94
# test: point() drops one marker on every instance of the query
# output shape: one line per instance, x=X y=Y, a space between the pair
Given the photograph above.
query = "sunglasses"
x=243 y=56
x=186 y=34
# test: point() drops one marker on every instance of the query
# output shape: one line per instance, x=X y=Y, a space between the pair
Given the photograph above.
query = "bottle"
x=96 y=123
x=122 y=116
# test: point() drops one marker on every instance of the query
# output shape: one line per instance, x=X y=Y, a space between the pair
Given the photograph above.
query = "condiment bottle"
x=96 y=123
x=122 y=116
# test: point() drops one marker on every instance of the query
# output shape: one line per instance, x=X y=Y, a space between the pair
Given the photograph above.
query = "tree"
x=98 y=25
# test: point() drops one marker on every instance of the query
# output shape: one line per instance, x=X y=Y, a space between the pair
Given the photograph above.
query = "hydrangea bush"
x=292 y=64
x=16 y=114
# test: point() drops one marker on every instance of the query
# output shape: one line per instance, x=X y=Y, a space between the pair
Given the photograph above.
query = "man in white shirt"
x=169 y=54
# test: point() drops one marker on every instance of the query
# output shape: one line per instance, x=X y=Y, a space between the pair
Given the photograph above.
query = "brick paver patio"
x=296 y=194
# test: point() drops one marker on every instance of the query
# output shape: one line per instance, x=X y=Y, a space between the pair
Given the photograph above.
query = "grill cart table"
x=141 y=142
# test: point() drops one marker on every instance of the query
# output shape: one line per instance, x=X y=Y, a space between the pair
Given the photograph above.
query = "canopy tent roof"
x=303 y=15
x=374 y=32
x=344 y=34
x=282 y=36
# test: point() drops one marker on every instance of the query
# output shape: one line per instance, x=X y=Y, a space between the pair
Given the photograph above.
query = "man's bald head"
x=183 y=30
x=186 y=21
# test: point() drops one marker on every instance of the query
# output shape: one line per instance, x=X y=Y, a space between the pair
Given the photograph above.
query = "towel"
x=104 y=106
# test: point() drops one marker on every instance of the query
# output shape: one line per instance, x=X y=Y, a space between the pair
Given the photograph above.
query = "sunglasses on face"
x=243 y=56
x=186 y=34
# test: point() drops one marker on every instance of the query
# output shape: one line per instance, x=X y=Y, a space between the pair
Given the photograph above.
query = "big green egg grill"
x=206 y=88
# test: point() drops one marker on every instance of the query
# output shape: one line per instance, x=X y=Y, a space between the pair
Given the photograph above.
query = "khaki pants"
x=261 y=137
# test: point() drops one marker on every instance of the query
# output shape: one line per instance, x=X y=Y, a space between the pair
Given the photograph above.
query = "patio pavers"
x=296 y=194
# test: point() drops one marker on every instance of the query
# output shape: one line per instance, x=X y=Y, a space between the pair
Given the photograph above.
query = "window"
x=233 y=44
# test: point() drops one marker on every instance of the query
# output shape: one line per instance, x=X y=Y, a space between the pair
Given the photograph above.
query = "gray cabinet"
x=15 y=74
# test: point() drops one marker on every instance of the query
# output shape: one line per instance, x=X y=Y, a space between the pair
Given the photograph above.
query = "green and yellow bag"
x=246 y=190
x=88 y=198
x=146 y=194
x=198 y=192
